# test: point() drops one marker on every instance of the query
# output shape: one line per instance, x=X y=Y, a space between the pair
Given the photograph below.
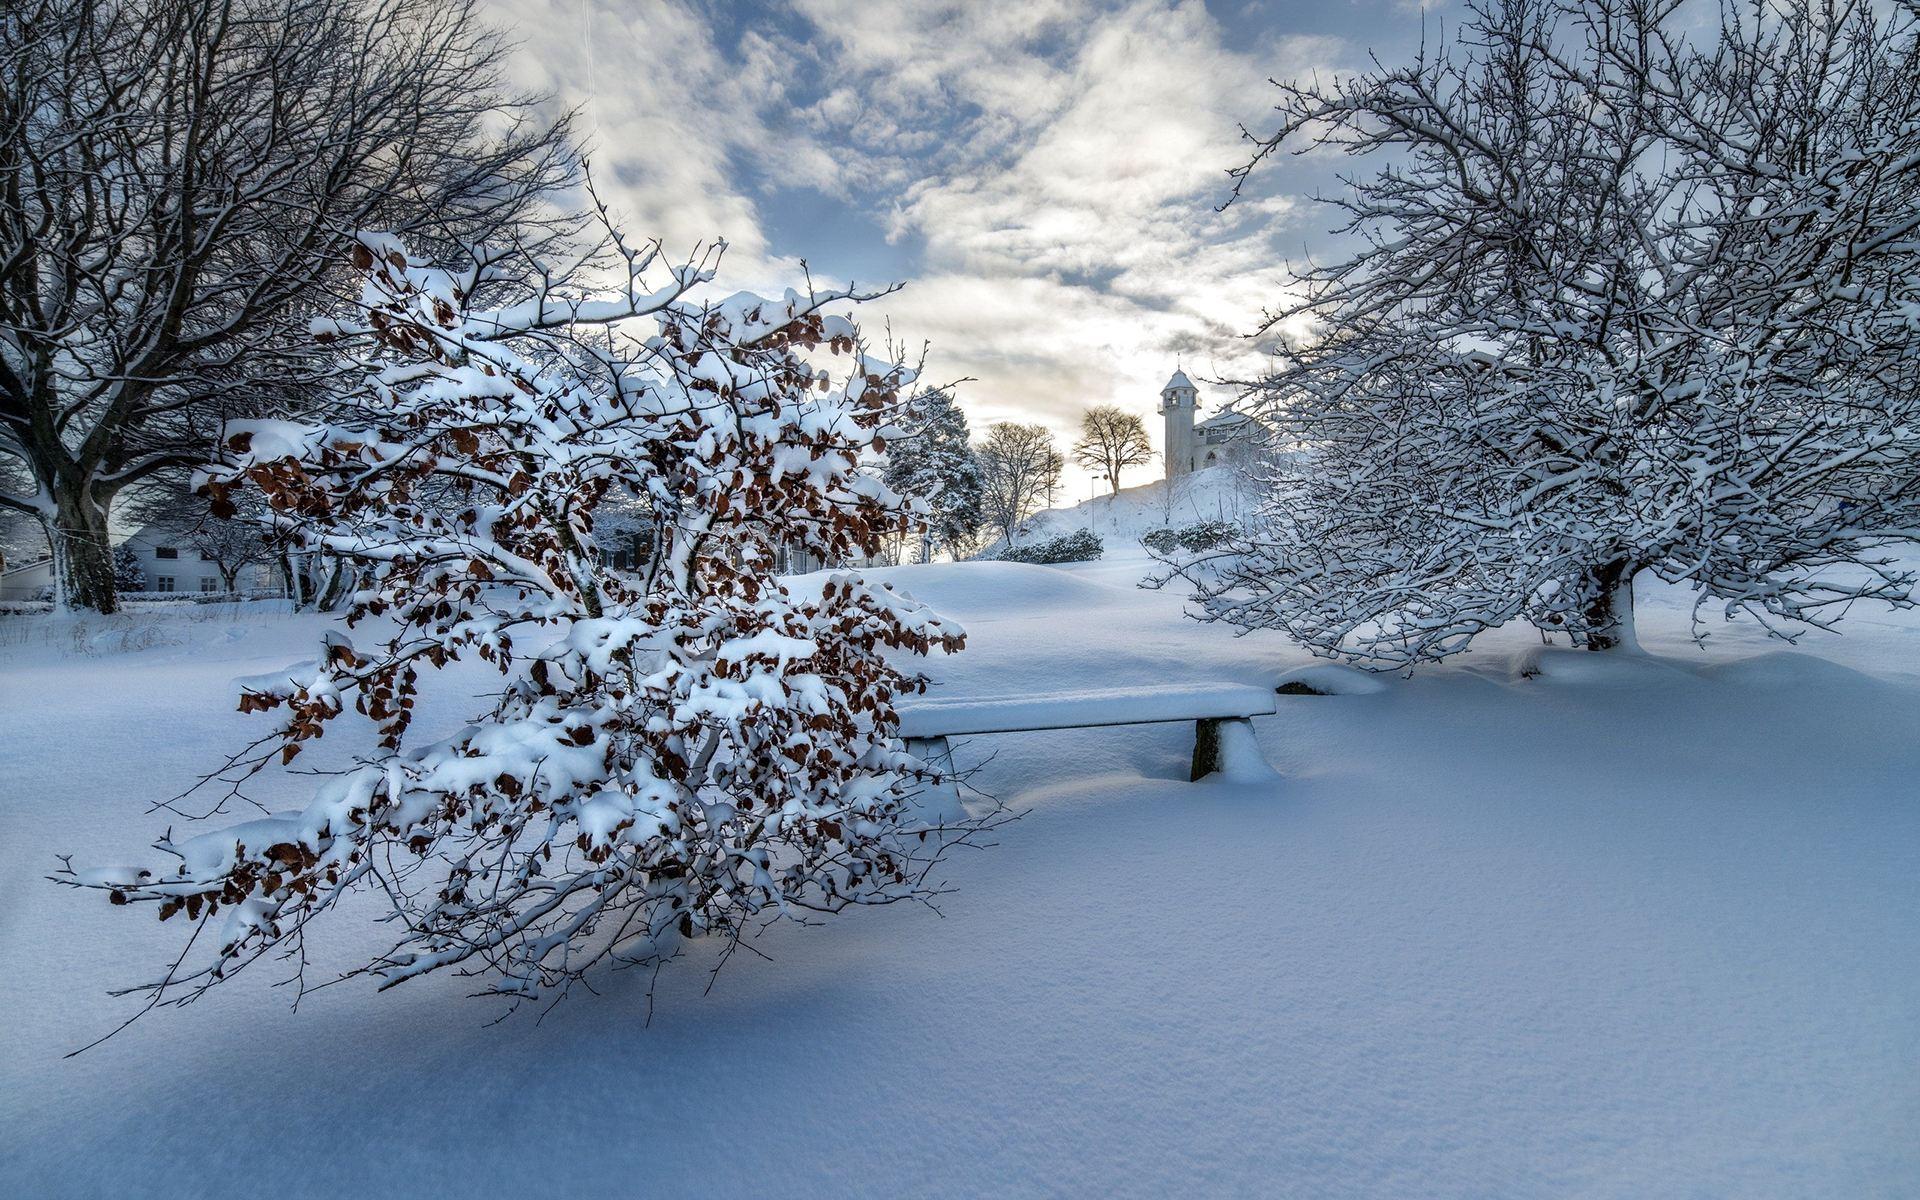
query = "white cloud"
x=1053 y=167
x=1092 y=237
x=668 y=117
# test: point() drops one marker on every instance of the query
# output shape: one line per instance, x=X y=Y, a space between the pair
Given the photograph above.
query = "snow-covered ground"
x=1528 y=925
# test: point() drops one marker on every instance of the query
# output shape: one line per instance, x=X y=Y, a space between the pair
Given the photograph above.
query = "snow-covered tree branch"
x=1626 y=296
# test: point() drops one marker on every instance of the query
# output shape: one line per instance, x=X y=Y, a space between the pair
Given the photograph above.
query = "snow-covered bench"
x=1222 y=715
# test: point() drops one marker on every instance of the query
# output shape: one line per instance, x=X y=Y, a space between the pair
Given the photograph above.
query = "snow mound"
x=1558 y=664
x=1785 y=669
x=999 y=589
x=1331 y=679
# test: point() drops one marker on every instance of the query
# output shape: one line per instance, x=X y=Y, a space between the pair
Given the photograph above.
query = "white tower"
x=1177 y=403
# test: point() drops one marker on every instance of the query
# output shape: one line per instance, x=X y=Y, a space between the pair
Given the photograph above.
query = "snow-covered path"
x=1646 y=929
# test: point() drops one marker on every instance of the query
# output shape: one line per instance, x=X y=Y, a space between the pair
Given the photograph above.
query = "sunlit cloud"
x=1044 y=179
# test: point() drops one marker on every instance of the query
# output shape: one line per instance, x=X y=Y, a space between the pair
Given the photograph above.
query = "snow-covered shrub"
x=1205 y=535
x=1080 y=546
x=675 y=750
x=1161 y=541
x=1201 y=535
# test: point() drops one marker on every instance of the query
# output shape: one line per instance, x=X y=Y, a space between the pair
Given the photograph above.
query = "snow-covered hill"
x=1212 y=494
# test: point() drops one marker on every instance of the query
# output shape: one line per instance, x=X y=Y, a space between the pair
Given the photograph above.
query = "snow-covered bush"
x=675 y=750
x=1629 y=293
x=1205 y=535
x=1162 y=540
x=1201 y=535
x=1080 y=546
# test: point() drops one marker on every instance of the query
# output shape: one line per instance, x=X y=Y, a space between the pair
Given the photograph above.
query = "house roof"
x=1179 y=380
x=1225 y=418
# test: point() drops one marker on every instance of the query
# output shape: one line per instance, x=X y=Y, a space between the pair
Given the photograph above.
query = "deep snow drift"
x=1531 y=924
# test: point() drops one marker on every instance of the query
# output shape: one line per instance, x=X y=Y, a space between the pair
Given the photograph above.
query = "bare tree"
x=1111 y=440
x=1630 y=294
x=1019 y=474
x=180 y=180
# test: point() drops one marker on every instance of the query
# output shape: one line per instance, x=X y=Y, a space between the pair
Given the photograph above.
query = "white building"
x=169 y=561
x=172 y=564
x=1190 y=446
x=27 y=581
x=1178 y=400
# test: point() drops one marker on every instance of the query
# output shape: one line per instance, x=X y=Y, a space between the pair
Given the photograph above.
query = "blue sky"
x=1041 y=176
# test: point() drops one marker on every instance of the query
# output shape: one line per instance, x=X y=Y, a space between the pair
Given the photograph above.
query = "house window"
x=205 y=557
x=163 y=583
x=166 y=552
x=209 y=584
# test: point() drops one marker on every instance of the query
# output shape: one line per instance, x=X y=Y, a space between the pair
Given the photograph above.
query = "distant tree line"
x=990 y=488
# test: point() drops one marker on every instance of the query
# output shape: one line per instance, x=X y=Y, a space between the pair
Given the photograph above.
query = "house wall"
x=1221 y=440
x=185 y=572
x=173 y=565
x=26 y=582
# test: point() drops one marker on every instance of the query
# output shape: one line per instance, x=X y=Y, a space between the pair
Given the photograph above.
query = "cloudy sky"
x=1043 y=176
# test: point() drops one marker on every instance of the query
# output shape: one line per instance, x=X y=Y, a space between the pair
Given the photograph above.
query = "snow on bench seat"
x=924 y=717
x=1223 y=741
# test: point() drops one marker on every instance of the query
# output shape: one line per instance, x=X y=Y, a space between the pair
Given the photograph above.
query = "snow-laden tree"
x=1626 y=295
x=682 y=749
x=1019 y=474
x=933 y=462
x=181 y=178
x=1111 y=440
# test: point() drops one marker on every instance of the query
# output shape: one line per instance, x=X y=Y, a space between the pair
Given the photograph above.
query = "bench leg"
x=1226 y=746
x=937 y=803
x=1206 y=748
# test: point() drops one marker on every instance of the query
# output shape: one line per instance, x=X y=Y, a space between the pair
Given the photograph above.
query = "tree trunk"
x=334 y=590
x=82 y=555
x=1610 y=614
x=295 y=580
